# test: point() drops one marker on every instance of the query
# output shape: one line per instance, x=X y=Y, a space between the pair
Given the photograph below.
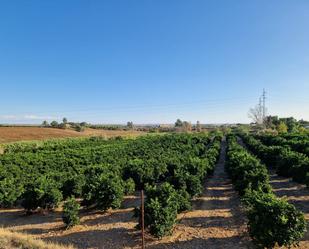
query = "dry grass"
x=14 y=134
x=13 y=240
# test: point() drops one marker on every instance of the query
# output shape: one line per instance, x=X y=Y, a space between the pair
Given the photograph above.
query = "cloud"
x=11 y=117
x=36 y=117
x=27 y=117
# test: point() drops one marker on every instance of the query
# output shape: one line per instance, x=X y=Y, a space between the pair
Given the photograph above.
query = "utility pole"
x=260 y=111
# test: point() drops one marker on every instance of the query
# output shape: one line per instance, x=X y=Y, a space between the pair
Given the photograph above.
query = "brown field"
x=14 y=134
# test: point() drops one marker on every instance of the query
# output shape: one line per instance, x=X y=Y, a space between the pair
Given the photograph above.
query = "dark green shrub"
x=11 y=188
x=79 y=128
x=73 y=186
x=129 y=186
x=159 y=218
x=246 y=172
x=193 y=185
x=103 y=187
x=43 y=193
x=140 y=172
x=307 y=180
x=161 y=209
x=70 y=212
x=273 y=221
x=287 y=162
x=183 y=200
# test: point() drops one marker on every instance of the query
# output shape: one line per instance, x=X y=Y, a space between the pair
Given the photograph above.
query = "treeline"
x=285 y=125
x=78 y=126
x=101 y=172
x=271 y=221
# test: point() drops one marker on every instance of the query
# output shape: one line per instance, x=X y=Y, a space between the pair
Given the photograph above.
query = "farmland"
x=15 y=134
x=202 y=190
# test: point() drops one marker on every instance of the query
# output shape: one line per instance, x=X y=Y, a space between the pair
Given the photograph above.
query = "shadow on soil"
x=217 y=243
x=120 y=216
x=110 y=239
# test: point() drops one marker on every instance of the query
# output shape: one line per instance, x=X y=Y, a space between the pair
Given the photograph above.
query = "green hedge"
x=287 y=162
x=271 y=220
x=70 y=212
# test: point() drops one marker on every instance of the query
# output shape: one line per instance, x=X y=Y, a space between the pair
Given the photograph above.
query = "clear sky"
x=152 y=61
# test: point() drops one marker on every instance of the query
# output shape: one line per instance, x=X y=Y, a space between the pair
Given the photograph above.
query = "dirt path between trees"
x=295 y=193
x=216 y=221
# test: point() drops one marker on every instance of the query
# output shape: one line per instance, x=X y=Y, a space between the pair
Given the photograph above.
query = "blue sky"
x=152 y=61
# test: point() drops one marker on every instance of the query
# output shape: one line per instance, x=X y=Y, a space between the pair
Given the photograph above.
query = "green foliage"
x=178 y=123
x=54 y=124
x=11 y=189
x=283 y=125
x=100 y=170
x=140 y=172
x=161 y=208
x=183 y=200
x=79 y=128
x=130 y=125
x=103 y=187
x=282 y=128
x=45 y=123
x=280 y=155
x=70 y=212
x=73 y=185
x=274 y=221
x=129 y=186
x=43 y=193
x=246 y=172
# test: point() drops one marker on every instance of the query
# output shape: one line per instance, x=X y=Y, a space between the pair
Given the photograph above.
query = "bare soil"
x=216 y=221
x=14 y=134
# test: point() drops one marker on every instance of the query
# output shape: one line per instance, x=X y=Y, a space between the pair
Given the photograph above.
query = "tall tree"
x=54 y=124
x=130 y=125
x=198 y=126
x=178 y=123
x=186 y=126
x=256 y=114
x=45 y=123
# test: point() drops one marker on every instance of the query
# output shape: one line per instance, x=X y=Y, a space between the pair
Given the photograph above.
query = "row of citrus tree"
x=271 y=220
x=184 y=181
x=282 y=158
x=101 y=173
x=297 y=142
